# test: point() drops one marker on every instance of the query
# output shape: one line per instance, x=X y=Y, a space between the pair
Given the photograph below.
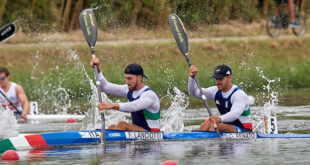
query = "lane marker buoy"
x=169 y=162
x=70 y=120
x=10 y=155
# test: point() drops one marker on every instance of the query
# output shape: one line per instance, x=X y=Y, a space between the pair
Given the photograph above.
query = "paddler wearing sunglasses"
x=12 y=95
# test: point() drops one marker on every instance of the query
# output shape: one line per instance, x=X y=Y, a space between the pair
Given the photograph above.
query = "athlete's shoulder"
x=239 y=91
x=212 y=89
x=19 y=88
x=149 y=92
x=240 y=96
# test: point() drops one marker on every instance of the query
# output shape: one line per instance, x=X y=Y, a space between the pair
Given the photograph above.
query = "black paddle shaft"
x=181 y=39
x=89 y=27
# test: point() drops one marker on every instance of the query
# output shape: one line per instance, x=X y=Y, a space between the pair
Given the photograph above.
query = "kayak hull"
x=80 y=137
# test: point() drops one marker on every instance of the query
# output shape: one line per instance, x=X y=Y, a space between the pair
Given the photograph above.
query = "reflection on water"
x=131 y=153
x=259 y=151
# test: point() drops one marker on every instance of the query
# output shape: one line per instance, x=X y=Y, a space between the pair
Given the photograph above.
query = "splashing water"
x=8 y=124
x=172 y=118
x=92 y=118
x=269 y=108
x=96 y=5
x=54 y=97
x=63 y=102
x=269 y=94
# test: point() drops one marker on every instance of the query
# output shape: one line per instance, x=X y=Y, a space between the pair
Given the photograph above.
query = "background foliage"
x=62 y=15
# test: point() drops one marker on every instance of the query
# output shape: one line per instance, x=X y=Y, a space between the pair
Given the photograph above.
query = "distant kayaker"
x=14 y=93
x=232 y=102
x=144 y=104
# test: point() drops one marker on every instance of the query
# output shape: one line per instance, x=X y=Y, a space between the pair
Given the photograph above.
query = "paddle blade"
x=179 y=33
x=89 y=26
x=7 y=31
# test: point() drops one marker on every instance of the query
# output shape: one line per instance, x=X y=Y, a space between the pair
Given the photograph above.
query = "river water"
x=258 y=151
x=293 y=119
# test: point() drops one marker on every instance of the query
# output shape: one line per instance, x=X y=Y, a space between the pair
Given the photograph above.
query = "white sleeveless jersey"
x=11 y=95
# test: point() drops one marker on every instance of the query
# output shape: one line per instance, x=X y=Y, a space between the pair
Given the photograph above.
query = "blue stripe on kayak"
x=115 y=135
x=83 y=136
x=189 y=135
x=71 y=137
x=262 y=135
x=93 y=136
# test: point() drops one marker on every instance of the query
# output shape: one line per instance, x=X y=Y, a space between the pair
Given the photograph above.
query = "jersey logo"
x=226 y=104
x=11 y=98
x=217 y=102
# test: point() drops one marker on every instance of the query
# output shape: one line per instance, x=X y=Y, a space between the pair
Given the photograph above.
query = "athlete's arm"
x=240 y=102
x=193 y=90
x=107 y=106
x=24 y=101
x=148 y=100
x=111 y=88
x=105 y=85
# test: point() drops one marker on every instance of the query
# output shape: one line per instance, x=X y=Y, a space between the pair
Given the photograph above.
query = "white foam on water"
x=8 y=124
x=172 y=118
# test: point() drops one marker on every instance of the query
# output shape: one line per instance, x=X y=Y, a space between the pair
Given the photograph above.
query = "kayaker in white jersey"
x=14 y=93
x=231 y=101
x=144 y=105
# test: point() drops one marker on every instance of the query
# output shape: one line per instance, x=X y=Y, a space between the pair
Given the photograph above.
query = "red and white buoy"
x=169 y=162
x=10 y=155
x=70 y=120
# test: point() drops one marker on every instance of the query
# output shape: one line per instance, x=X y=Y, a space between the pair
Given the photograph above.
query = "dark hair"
x=5 y=71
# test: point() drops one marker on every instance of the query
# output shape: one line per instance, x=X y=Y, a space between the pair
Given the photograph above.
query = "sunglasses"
x=2 y=78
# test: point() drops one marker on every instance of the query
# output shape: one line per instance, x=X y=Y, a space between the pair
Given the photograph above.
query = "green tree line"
x=62 y=15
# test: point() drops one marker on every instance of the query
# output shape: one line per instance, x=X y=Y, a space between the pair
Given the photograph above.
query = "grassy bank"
x=53 y=72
